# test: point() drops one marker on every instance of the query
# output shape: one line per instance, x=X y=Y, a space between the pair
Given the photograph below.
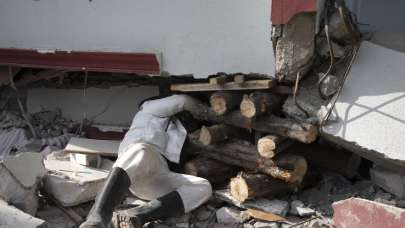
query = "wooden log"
x=259 y=102
x=243 y=154
x=214 y=171
x=302 y=132
x=247 y=85
x=270 y=145
x=218 y=133
x=248 y=186
x=296 y=164
x=222 y=102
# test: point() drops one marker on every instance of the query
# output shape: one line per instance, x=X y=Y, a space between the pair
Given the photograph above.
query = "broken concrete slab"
x=356 y=212
x=370 y=108
x=12 y=217
x=93 y=146
x=20 y=177
x=27 y=168
x=275 y=206
x=71 y=183
x=393 y=182
x=298 y=208
x=10 y=139
x=92 y=160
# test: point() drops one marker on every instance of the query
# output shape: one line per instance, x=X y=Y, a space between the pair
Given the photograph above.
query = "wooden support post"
x=222 y=101
x=258 y=103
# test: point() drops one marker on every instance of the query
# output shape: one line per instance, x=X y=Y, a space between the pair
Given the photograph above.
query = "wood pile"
x=245 y=130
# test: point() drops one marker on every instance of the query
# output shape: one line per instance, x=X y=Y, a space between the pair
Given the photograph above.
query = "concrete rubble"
x=13 y=217
x=365 y=99
x=72 y=184
x=20 y=178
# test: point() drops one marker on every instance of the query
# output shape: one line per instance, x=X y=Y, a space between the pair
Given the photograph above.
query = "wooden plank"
x=107 y=148
x=247 y=85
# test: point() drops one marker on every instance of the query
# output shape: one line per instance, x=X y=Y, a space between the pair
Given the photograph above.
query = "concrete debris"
x=19 y=178
x=295 y=47
x=72 y=184
x=323 y=49
x=266 y=225
x=356 y=212
x=275 y=206
x=12 y=217
x=228 y=215
x=55 y=217
x=10 y=139
x=91 y=160
x=392 y=182
x=367 y=98
x=298 y=208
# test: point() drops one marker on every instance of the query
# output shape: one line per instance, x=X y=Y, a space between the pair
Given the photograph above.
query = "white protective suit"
x=153 y=133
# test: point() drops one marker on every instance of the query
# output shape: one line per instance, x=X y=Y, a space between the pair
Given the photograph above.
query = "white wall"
x=122 y=102
x=194 y=36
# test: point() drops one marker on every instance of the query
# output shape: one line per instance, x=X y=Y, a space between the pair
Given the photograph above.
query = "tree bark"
x=214 y=171
x=248 y=186
x=243 y=154
x=302 y=132
x=259 y=103
x=218 y=133
x=223 y=102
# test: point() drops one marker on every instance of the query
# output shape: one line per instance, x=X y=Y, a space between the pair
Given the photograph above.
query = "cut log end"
x=247 y=107
x=205 y=136
x=266 y=146
x=239 y=189
x=218 y=104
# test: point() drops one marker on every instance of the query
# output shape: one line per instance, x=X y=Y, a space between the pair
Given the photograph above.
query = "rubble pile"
x=259 y=141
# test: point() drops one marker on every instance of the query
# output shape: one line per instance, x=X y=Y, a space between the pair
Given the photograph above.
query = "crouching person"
x=141 y=167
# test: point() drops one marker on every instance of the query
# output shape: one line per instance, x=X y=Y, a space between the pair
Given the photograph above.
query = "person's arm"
x=170 y=106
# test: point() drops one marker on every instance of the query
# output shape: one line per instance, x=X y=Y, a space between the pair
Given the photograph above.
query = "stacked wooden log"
x=246 y=130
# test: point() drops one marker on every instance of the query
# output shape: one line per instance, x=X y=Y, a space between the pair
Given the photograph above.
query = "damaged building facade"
x=298 y=120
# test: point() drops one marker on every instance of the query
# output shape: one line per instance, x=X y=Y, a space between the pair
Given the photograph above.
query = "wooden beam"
x=247 y=85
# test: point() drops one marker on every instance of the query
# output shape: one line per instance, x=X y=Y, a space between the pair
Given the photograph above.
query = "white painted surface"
x=121 y=102
x=194 y=36
x=371 y=108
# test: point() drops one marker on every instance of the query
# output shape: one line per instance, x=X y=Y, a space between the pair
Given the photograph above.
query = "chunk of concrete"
x=371 y=107
x=228 y=215
x=19 y=177
x=71 y=183
x=275 y=206
x=393 y=182
x=12 y=217
x=10 y=139
x=359 y=213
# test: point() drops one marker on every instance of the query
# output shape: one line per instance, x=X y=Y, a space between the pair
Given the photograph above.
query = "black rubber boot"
x=167 y=206
x=110 y=196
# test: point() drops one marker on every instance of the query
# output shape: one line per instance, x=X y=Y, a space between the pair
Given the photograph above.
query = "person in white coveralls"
x=155 y=134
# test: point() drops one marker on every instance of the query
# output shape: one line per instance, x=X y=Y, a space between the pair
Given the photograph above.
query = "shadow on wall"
x=114 y=106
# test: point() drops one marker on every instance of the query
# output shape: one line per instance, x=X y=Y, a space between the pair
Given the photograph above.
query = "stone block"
x=71 y=183
x=393 y=182
x=361 y=213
